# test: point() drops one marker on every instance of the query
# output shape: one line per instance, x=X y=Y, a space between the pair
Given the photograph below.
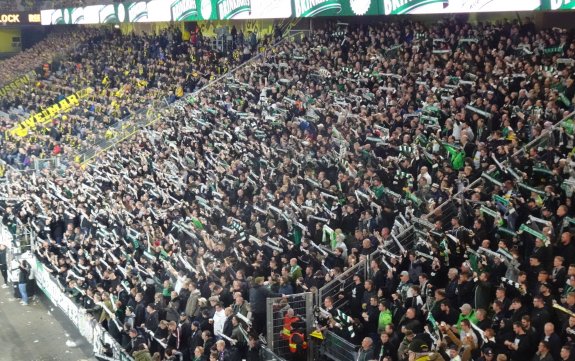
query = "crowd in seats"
x=57 y=42
x=124 y=79
x=297 y=166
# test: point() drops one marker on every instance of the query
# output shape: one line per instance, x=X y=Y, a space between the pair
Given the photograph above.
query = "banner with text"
x=50 y=113
x=16 y=84
x=198 y=10
x=557 y=5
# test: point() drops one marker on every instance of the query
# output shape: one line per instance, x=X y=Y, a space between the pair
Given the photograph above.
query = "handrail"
x=333 y=343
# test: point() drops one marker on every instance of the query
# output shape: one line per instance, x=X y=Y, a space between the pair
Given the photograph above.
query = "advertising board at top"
x=398 y=7
x=197 y=10
x=557 y=4
x=18 y=18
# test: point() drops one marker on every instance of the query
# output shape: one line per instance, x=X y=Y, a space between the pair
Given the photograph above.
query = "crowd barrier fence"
x=87 y=326
x=303 y=306
x=342 y=284
x=337 y=348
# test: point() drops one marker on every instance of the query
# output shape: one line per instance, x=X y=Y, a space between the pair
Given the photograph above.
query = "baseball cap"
x=418 y=346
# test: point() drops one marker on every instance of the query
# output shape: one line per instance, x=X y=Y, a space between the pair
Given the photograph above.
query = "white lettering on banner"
x=229 y=7
x=107 y=13
x=303 y=6
x=183 y=9
x=556 y=4
x=390 y=6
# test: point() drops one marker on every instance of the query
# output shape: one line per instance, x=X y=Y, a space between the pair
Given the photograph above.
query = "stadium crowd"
x=57 y=42
x=125 y=81
x=300 y=164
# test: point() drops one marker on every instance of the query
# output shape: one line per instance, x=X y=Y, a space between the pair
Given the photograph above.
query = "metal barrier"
x=407 y=238
x=88 y=327
x=267 y=355
x=337 y=348
x=276 y=308
x=342 y=284
x=48 y=163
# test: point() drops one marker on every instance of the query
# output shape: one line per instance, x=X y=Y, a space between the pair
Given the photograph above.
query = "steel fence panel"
x=303 y=305
x=342 y=284
x=337 y=348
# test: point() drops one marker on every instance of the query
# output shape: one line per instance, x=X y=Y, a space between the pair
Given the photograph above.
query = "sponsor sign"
x=197 y=10
x=17 y=18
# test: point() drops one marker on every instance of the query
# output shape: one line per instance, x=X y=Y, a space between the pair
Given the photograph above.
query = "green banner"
x=197 y=10
x=394 y=7
x=314 y=8
x=557 y=5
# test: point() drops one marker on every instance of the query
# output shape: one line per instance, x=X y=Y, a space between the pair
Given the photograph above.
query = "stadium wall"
x=7 y=43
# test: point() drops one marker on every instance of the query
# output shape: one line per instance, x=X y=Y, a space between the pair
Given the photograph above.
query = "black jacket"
x=258 y=296
x=152 y=321
x=24 y=273
x=228 y=327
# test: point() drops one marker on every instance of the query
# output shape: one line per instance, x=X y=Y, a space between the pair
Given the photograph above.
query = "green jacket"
x=384 y=320
x=295 y=272
x=471 y=317
x=143 y=355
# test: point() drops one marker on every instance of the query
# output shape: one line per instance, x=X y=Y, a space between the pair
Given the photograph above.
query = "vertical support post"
x=270 y=323
x=310 y=324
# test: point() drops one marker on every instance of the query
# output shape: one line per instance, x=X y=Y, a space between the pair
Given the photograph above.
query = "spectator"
x=366 y=351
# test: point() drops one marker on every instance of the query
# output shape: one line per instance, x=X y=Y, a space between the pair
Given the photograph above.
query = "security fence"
x=22 y=244
x=121 y=131
x=337 y=348
x=48 y=163
x=341 y=285
x=405 y=240
x=446 y=211
x=276 y=309
x=267 y=355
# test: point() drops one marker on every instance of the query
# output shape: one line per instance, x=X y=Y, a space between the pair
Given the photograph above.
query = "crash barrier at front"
x=276 y=309
x=338 y=348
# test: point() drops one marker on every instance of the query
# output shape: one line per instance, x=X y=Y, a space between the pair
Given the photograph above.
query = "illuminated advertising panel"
x=398 y=7
x=18 y=18
x=197 y=10
x=158 y=11
x=557 y=4
x=271 y=9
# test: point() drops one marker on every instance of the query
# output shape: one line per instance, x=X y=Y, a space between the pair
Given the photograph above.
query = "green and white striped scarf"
x=346 y=322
